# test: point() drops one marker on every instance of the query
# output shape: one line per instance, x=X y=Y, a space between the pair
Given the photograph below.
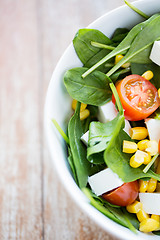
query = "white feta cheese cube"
x=104 y=181
x=153 y=127
x=155 y=53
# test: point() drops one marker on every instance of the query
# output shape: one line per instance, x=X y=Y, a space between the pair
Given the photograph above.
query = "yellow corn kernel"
x=148 y=225
x=147 y=158
x=84 y=114
x=142 y=215
x=148 y=75
x=138 y=133
x=118 y=58
x=74 y=104
x=143 y=186
x=129 y=147
x=142 y=145
x=155 y=217
x=135 y=207
x=152 y=184
x=159 y=92
x=137 y=159
x=152 y=147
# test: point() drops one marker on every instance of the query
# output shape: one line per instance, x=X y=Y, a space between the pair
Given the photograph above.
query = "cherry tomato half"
x=123 y=195
x=138 y=96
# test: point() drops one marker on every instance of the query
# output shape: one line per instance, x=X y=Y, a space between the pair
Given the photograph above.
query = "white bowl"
x=58 y=104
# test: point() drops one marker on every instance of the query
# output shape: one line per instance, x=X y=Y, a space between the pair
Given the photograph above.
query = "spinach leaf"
x=79 y=161
x=93 y=90
x=141 y=45
x=141 y=68
x=97 y=57
x=119 y=34
x=118 y=161
x=103 y=135
x=122 y=47
x=100 y=134
x=114 y=213
x=83 y=47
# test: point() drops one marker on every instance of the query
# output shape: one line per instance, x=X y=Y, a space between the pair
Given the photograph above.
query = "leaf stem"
x=103 y=60
x=60 y=131
x=150 y=163
x=136 y=9
x=118 y=102
x=101 y=45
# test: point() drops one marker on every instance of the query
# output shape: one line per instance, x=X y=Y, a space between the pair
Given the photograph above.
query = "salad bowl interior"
x=58 y=104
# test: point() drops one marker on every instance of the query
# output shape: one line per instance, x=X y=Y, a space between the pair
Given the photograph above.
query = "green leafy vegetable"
x=60 y=131
x=82 y=43
x=136 y=10
x=118 y=162
x=142 y=44
x=123 y=46
x=114 y=213
x=93 y=90
x=119 y=34
x=141 y=68
x=103 y=135
x=78 y=150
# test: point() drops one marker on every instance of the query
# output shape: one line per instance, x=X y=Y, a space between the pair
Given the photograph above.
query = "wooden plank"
x=20 y=157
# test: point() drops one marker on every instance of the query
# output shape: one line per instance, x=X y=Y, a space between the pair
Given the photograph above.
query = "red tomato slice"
x=159 y=146
x=138 y=96
x=123 y=195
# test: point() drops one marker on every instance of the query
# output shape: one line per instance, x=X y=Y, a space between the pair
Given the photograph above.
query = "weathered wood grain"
x=20 y=145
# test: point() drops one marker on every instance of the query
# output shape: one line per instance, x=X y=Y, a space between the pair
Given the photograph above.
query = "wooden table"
x=33 y=36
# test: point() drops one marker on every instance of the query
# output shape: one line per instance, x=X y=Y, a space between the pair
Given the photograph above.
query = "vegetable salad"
x=113 y=136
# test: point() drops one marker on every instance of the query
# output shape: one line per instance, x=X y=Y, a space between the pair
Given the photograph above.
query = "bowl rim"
x=67 y=180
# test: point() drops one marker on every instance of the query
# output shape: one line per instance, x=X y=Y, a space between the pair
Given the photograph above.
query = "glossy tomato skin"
x=123 y=195
x=135 y=104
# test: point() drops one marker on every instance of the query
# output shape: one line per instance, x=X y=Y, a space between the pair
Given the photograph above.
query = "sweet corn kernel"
x=148 y=225
x=84 y=114
x=118 y=58
x=135 y=207
x=148 y=75
x=155 y=217
x=147 y=158
x=129 y=147
x=152 y=184
x=152 y=147
x=143 y=186
x=137 y=159
x=138 y=133
x=142 y=145
x=74 y=104
x=142 y=215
